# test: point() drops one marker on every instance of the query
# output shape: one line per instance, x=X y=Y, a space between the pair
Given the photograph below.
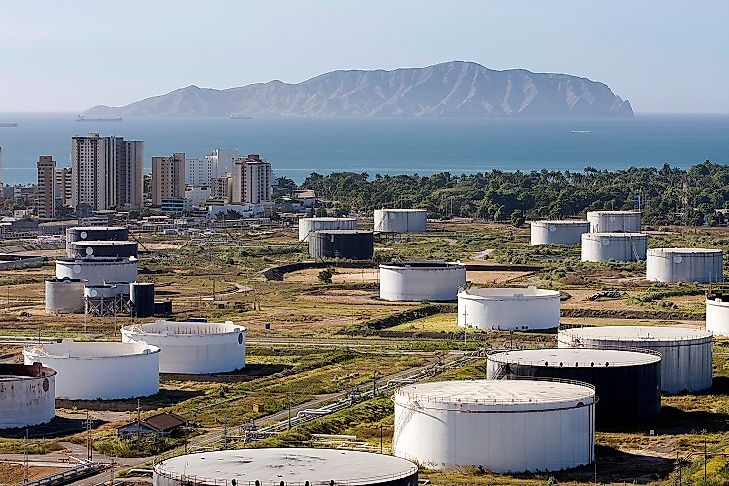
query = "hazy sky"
x=664 y=56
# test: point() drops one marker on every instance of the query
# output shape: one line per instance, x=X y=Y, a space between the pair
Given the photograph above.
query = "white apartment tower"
x=251 y=180
x=107 y=172
x=200 y=172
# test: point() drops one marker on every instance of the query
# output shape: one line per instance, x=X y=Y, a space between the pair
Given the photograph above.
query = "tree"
x=517 y=218
x=325 y=276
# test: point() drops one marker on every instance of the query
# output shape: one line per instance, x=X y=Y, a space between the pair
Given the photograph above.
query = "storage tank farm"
x=509 y=308
x=627 y=382
x=717 y=313
x=400 y=220
x=614 y=235
x=64 y=296
x=685 y=352
x=421 y=280
x=308 y=226
x=672 y=265
x=27 y=395
x=287 y=466
x=192 y=347
x=506 y=426
x=562 y=232
x=105 y=370
x=347 y=244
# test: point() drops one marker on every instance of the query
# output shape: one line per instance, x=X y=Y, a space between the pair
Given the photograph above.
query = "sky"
x=664 y=56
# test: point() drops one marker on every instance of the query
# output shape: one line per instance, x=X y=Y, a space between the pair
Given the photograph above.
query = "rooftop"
x=571 y=357
x=638 y=333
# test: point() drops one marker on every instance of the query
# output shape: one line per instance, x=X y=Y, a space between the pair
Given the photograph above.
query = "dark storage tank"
x=627 y=382
x=95 y=233
x=87 y=249
x=163 y=308
x=349 y=244
x=141 y=296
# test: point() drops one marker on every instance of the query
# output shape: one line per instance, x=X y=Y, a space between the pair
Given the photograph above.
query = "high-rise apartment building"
x=251 y=180
x=168 y=177
x=45 y=202
x=107 y=172
x=200 y=172
x=221 y=188
x=64 y=188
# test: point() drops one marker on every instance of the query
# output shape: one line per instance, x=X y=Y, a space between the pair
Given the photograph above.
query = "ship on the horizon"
x=236 y=116
x=8 y=125
x=82 y=118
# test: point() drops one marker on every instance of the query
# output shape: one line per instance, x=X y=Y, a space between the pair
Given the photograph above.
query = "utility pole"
x=704 y=455
x=26 y=475
x=89 y=448
x=288 y=401
x=380 y=438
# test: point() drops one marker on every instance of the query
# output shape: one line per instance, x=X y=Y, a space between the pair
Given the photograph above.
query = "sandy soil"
x=12 y=474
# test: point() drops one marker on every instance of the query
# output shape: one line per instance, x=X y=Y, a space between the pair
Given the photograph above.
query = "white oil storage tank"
x=717 y=313
x=564 y=233
x=27 y=395
x=308 y=226
x=619 y=247
x=65 y=296
x=400 y=220
x=193 y=347
x=97 y=271
x=614 y=221
x=505 y=426
x=685 y=352
x=508 y=308
x=419 y=280
x=293 y=466
x=105 y=370
x=671 y=265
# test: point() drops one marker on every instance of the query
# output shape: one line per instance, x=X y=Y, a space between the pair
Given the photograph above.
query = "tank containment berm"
x=564 y=232
x=101 y=369
x=307 y=226
x=627 y=382
x=400 y=220
x=27 y=395
x=420 y=280
x=671 y=265
x=288 y=466
x=614 y=221
x=685 y=352
x=508 y=308
x=193 y=347
x=506 y=426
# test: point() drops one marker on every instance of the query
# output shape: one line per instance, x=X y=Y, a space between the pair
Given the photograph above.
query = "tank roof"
x=571 y=357
x=103 y=260
x=12 y=372
x=97 y=228
x=507 y=293
x=614 y=235
x=70 y=349
x=422 y=264
x=602 y=211
x=329 y=218
x=639 y=333
x=685 y=250
x=341 y=232
x=500 y=392
x=103 y=242
x=294 y=465
x=561 y=221
x=163 y=327
x=393 y=210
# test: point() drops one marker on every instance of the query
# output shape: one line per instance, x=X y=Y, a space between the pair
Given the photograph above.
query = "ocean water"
x=299 y=146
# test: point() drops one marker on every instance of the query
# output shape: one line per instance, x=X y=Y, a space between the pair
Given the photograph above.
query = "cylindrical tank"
x=614 y=221
x=684 y=265
x=286 y=466
x=508 y=308
x=65 y=296
x=717 y=314
x=565 y=233
x=103 y=291
x=421 y=280
x=94 y=233
x=105 y=370
x=307 y=226
x=685 y=352
x=193 y=347
x=349 y=244
x=400 y=220
x=141 y=296
x=620 y=247
x=87 y=249
x=27 y=395
x=506 y=426
x=97 y=271
x=627 y=382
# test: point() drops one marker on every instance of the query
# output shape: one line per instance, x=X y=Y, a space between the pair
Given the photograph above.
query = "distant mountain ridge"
x=456 y=88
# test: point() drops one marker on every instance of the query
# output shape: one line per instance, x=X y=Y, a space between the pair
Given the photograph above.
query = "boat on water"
x=580 y=131
x=82 y=118
x=236 y=116
x=8 y=125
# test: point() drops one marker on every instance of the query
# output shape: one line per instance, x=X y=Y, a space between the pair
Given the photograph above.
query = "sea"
x=297 y=147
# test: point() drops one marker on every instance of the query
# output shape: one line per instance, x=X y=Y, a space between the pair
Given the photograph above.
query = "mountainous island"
x=457 y=88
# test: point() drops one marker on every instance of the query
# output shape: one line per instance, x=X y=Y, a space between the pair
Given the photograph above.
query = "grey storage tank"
x=627 y=381
x=65 y=296
x=349 y=244
x=95 y=233
x=563 y=232
x=141 y=296
x=671 y=265
x=87 y=249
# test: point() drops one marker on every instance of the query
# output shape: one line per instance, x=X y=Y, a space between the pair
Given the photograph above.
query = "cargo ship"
x=8 y=125
x=82 y=118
